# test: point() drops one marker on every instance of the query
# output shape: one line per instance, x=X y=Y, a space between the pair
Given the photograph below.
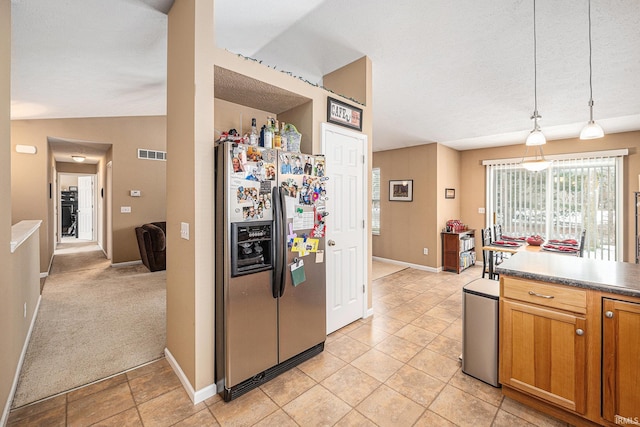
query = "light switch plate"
x=125 y=209
x=184 y=230
x=135 y=193
x=480 y=210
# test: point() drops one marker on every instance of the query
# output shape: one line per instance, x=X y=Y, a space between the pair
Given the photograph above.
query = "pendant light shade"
x=536 y=163
x=592 y=130
x=536 y=138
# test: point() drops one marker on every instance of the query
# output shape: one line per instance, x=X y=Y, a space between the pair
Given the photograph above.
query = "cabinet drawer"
x=548 y=295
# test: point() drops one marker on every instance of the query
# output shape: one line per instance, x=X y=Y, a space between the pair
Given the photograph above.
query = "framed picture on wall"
x=401 y=190
x=449 y=193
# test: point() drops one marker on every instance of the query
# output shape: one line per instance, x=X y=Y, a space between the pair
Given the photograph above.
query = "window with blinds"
x=375 y=201
x=574 y=194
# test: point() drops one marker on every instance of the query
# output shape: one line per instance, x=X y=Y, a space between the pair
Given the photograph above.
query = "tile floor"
x=398 y=367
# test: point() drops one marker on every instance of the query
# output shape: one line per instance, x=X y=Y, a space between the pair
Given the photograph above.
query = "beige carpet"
x=380 y=269
x=94 y=321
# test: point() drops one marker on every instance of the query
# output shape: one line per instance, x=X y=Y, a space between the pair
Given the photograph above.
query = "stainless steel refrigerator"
x=270 y=267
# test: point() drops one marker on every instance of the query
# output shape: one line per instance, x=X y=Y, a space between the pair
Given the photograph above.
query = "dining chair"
x=582 y=239
x=487 y=239
x=497 y=235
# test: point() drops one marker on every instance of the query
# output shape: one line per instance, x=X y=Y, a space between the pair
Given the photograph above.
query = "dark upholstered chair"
x=152 y=244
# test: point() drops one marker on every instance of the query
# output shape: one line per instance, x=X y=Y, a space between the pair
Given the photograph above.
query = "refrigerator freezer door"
x=251 y=329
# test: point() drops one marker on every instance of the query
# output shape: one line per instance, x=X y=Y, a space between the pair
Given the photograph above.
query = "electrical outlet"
x=184 y=230
x=425 y=251
x=125 y=209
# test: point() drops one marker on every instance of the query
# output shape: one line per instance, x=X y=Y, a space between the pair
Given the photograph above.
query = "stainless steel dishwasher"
x=480 y=302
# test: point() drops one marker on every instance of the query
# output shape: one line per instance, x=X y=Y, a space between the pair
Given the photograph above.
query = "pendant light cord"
x=535 y=70
x=590 y=69
x=535 y=61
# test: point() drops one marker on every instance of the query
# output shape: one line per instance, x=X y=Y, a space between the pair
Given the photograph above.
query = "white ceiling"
x=457 y=72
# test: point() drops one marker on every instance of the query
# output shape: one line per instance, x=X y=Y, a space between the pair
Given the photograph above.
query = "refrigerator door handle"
x=277 y=238
x=283 y=240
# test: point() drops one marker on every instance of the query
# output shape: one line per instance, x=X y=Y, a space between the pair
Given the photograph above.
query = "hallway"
x=93 y=321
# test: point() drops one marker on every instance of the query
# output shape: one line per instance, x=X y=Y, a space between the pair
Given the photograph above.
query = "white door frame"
x=109 y=209
x=365 y=208
x=94 y=219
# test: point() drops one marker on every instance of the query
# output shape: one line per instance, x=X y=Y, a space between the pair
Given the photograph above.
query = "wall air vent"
x=143 y=153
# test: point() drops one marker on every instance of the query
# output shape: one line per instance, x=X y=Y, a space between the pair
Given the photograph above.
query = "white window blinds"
x=580 y=192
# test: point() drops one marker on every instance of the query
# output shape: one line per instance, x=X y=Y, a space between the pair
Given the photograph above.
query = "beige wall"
x=347 y=81
x=31 y=175
x=408 y=227
x=449 y=176
x=10 y=336
x=190 y=195
x=473 y=183
x=69 y=167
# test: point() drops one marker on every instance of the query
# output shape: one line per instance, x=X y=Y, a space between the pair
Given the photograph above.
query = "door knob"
x=331 y=243
x=579 y=332
x=609 y=314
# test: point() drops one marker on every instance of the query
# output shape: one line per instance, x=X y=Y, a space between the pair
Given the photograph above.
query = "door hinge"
x=363 y=159
x=363 y=224
x=363 y=289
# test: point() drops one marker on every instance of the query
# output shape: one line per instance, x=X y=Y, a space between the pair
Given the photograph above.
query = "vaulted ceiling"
x=457 y=72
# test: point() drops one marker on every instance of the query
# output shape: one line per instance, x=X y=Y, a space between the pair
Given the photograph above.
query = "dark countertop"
x=608 y=276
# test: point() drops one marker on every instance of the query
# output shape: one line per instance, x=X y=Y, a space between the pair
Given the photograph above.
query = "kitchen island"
x=569 y=337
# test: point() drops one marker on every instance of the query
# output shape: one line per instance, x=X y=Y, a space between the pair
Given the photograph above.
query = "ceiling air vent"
x=143 y=153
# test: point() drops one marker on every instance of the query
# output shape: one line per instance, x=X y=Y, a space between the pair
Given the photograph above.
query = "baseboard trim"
x=126 y=264
x=195 y=396
x=14 y=386
x=42 y=276
x=408 y=264
x=369 y=313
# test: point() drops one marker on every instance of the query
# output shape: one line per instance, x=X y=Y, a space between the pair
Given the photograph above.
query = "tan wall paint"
x=68 y=167
x=473 y=178
x=10 y=335
x=449 y=175
x=407 y=227
x=190 y=193
x=238 y=117
x=31 y=175
x=348 y=82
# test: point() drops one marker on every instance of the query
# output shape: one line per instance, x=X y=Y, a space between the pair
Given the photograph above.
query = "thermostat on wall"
x=135 y=193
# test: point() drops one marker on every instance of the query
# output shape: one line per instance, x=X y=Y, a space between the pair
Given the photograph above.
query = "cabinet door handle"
x=579 y=332
x=535 y=294
x=609 y=314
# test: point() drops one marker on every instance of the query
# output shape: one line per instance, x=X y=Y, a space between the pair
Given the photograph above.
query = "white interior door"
x=85 y=207
x=346 y=247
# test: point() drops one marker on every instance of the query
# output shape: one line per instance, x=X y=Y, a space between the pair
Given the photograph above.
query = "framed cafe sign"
x=343 y=114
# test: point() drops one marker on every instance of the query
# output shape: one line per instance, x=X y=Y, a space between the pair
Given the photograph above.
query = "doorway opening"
x=77 y=221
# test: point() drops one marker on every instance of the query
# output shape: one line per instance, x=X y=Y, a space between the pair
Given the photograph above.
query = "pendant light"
x=536 y=138
x=592 y=130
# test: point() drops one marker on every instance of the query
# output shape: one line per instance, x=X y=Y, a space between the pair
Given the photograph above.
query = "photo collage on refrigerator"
x=255 y=170
x=252 y=177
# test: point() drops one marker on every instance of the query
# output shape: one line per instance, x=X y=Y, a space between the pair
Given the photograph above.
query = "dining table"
x=513 y=249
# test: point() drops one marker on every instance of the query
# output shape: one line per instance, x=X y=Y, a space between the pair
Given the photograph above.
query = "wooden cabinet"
x=543 y=340
x=621 y=361
x=458 y=250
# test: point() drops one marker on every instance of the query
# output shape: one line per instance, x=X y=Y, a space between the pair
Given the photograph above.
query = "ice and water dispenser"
x=251 y=247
